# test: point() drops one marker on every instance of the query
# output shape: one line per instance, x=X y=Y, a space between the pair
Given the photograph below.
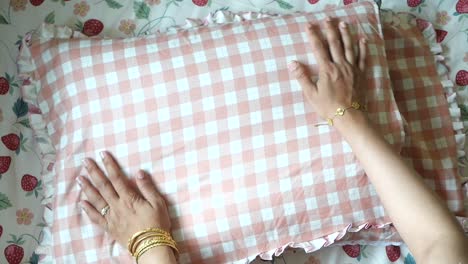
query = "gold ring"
x=105 y=210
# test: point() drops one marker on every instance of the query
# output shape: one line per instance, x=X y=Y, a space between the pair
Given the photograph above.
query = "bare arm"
x=425 y=223
x=422 y=219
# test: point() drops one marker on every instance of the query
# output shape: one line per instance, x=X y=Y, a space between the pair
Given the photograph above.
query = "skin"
x=422 y=219
x=132 y=209
x=341 y=74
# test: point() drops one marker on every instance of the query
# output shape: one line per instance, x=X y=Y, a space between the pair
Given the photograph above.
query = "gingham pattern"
x=423 y=99
x=214 y=115
x=430 y=143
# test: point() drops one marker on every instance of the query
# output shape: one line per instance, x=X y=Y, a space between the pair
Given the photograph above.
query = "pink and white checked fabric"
x=422 y=98
x=213 y=114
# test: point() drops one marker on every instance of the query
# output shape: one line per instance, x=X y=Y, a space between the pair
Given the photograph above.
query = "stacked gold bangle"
x=147 y=239
x=341 y=111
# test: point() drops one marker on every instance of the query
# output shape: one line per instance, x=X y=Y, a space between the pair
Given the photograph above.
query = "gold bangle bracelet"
x=149 y=241
x=144 y=251
x=153 y=244
x=143 y=237
x=131 y=241
x=165 y=240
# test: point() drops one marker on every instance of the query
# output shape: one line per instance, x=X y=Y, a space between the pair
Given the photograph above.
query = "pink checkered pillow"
x=213 y=113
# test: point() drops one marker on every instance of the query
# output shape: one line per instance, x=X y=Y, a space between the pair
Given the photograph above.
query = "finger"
x=347 y=43
x=100 y=181
x=93 y=195
x=147 y=188
x=334 y=41
x=362 y=54
x=93 y=214
x=318 y=47
x=116 y=176
x=302 y=76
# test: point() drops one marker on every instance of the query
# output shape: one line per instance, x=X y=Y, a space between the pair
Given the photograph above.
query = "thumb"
x=301 y=74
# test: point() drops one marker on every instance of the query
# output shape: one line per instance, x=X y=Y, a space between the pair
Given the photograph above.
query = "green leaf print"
x=4 y=201
x=50 y=18
x=464 y=112
x=114 y=4
x=283 y=4
x=20 y=108
x=3 y=20
x=25 y=123
x=409 y=259
x=141 y=10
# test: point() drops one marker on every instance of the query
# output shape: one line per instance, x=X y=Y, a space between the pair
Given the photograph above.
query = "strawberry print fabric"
x=213 y=114
x=18 y=239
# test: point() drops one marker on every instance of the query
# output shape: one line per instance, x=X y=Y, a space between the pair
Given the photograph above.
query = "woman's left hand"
x=131 y=209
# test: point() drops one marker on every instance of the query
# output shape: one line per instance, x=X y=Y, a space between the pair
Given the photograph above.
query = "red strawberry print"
x=50 y=167
x=422 y=24
x=461 y=78
x=4 y=85
x=28 y=182
x=11 y=141
x=352 y=250
x=26 y=82
x=92 y=27
x=393 y=252
x=200 y=2
x=413 y=3
x=34 y=109
x=36 y=2
x=313 y=1
x=14 y=254
x=440 y=35
x=5 y=162
x=1 y=230
x=462 y=6
x=347 y=2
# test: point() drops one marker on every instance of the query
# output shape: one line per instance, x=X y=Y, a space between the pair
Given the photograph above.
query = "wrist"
x=159 y=254
x=350 y=122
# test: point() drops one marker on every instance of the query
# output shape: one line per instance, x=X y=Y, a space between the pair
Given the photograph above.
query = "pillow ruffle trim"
x=31 y=87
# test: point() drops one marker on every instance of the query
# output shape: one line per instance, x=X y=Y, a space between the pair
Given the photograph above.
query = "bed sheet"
x=20 y=185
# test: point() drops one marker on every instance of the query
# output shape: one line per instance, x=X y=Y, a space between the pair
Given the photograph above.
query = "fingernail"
x=364 y=41
x=102 y=154
x=292 y=65
x=85 y=163
x=78 y=179
x=140 y=175
x=343 y=24
x=82 y=206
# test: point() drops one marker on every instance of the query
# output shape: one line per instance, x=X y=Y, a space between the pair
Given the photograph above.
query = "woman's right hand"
x=341 y=76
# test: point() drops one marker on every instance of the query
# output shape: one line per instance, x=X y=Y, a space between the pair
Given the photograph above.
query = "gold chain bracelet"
x=341 y=111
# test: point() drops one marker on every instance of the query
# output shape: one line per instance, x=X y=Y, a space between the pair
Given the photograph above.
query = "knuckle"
x=103 y=185
x=92 y=167
x=132 y=201
x=300 y=73
x=316 y=44
x=328 y=67
x=332 y=33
